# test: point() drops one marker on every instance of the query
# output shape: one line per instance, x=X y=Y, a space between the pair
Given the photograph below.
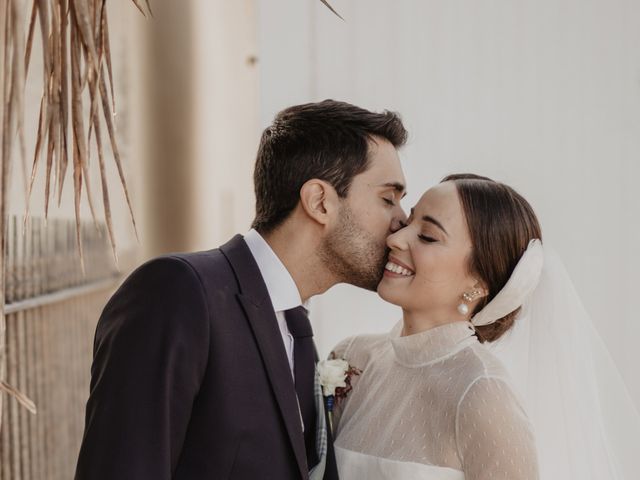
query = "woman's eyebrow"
x=430 y=219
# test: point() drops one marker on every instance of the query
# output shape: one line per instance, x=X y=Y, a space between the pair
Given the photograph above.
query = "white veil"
x=586 y=425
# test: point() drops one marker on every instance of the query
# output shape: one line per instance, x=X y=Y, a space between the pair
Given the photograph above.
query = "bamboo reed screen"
x=52 y=310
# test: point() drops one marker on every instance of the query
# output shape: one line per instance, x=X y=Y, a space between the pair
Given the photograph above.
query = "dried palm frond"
x=25 y=401
x=13 y=74
x=331 y=8
x=75 y=47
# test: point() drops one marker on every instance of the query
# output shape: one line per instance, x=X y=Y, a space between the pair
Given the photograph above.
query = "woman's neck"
x=417 y=322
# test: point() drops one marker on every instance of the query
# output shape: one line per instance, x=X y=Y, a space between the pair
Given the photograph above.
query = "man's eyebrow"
x=397 y=186
x=430 y=219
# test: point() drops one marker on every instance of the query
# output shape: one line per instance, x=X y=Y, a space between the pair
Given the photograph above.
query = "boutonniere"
x=335 y=379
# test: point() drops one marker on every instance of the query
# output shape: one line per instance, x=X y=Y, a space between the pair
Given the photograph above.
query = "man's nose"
x=399 y=220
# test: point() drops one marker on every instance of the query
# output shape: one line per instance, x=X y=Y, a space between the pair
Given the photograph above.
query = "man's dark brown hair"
x=328 y=140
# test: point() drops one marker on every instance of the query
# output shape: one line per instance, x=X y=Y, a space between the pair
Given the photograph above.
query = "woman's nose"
x=398 y=240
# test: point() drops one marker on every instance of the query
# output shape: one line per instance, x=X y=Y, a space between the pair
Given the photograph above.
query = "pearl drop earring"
x=463 y=308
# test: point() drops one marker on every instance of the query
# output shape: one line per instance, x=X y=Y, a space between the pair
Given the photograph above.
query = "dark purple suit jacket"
x=190 y=379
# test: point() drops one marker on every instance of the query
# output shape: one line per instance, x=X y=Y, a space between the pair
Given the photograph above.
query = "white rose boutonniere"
x=333 y=374
x=335 y=378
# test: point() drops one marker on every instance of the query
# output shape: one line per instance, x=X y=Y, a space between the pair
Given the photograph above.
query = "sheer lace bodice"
x=436 y=399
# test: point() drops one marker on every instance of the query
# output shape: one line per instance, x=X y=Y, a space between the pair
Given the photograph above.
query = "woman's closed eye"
x=427 y=239
x=389 y=202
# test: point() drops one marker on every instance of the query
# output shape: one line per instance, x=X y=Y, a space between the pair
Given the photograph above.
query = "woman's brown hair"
x=501 y=223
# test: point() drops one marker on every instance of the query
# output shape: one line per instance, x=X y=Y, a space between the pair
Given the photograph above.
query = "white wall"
x=199 y=92
x=227 y=112
x=541 y=94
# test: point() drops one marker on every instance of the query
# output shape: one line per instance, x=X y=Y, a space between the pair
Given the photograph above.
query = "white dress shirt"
x=282 y=289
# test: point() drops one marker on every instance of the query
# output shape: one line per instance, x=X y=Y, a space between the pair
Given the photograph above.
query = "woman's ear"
x=481 y=288
x=319 y=200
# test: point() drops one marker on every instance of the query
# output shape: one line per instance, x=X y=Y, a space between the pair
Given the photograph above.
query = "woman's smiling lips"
x=395 y=268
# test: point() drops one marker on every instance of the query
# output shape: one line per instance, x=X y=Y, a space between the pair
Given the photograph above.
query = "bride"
x=495 y=371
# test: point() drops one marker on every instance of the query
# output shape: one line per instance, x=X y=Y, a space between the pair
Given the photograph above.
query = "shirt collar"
x=282 y=289
x=435 y=344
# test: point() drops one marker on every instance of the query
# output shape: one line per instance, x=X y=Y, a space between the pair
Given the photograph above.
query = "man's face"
x=355 y=249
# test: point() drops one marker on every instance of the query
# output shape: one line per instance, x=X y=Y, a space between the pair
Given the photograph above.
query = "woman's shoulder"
x=359 y=346
x=479 y=361
x=485 y=376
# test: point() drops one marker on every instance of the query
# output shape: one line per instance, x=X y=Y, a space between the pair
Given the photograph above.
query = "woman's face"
x=427 y=269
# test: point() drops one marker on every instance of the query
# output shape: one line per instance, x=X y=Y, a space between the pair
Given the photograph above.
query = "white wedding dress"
x=437 y=405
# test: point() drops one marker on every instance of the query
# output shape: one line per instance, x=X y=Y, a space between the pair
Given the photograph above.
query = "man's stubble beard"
x=352 y=255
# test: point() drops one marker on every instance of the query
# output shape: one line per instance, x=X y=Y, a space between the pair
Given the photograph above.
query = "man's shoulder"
x=202 y=262
x=207 y=266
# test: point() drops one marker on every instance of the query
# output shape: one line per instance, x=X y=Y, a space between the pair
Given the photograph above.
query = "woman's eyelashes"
x=422 y=237
x=389 y=202
x=427 y=239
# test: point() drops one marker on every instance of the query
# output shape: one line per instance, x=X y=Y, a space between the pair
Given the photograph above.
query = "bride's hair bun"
x=501 y=223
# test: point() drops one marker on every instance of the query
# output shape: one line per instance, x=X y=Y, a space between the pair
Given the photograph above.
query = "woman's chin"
x=389 y=293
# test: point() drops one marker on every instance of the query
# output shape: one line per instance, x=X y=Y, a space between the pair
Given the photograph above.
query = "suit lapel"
x=256 y=304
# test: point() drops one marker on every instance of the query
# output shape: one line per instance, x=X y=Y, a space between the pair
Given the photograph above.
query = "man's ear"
x=319 y=200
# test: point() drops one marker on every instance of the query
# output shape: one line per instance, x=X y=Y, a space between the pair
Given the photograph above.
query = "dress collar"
x=282 y=289
x=431 y=345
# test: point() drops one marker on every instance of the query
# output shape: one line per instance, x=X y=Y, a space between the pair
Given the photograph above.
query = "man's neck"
x=298 y=253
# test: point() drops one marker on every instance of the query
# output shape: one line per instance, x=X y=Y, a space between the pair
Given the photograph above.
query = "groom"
x=204 y=362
